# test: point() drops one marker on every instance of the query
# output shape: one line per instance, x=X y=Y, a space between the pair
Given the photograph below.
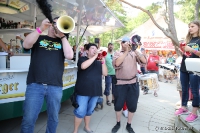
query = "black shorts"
x=128 y=93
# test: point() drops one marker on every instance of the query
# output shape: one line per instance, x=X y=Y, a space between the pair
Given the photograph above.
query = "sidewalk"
x=154 y=115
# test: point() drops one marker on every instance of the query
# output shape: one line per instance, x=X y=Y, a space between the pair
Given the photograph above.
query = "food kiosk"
x=23 y=16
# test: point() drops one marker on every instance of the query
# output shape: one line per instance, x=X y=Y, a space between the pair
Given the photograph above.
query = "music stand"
x=193 y=65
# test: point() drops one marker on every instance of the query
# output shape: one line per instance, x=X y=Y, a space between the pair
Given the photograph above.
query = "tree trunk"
x=196 y=12
x=171 y=31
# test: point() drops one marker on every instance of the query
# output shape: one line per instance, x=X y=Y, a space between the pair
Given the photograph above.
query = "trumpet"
x=188 y=54
x=65 y=24
x=101 y=55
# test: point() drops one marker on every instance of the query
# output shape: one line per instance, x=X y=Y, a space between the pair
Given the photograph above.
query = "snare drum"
x=169 y=74
x=154 y=77
x=146 y=81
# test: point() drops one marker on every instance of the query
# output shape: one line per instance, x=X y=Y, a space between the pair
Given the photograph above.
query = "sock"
x=128 y=125
x=118 y=123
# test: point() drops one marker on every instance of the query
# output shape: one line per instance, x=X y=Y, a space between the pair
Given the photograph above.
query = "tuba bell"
x=65 y=24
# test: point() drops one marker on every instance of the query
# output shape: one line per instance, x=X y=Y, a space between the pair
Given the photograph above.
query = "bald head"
x=154 y=52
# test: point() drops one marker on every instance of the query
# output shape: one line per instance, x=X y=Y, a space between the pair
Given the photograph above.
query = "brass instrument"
x=65 y=24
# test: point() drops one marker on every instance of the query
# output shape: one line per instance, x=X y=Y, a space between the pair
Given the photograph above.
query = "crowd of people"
x=44 y=80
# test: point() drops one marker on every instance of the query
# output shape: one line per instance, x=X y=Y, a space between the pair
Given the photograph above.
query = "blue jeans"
x=86 y=105
x=108 y=82
x=34 y=98
x=187 y=78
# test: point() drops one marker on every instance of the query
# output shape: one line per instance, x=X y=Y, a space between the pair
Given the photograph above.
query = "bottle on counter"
x=0 y=23
x=7 y=25
x=3 y=25
x=19 y=25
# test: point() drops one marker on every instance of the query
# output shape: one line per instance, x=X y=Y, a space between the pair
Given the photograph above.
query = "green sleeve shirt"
x=109 y=58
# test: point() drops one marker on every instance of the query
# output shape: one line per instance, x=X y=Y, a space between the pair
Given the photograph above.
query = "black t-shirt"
x=195 y=44
x=47 y=62
x=89 y=81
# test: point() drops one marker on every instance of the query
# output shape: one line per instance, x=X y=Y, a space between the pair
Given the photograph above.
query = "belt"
x=127 y=79
x=42 y=83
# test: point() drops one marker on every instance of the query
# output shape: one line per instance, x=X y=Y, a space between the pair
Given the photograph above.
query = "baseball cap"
x=126 y=39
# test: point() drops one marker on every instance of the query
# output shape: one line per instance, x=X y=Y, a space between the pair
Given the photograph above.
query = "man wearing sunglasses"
x=126 y=88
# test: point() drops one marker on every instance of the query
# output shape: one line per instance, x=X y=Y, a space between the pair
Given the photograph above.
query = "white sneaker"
x=125 y=113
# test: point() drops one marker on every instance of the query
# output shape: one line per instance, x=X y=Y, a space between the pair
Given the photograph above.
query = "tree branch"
x=171 y=32
x=150 y=15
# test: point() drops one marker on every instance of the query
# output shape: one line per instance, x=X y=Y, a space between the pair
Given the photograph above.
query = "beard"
x=110 y=49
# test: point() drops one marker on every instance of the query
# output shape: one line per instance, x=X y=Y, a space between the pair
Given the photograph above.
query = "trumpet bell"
x=65 y=24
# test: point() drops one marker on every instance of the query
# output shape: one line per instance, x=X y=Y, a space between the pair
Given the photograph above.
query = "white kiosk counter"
x=13 y=86
x=13 y=80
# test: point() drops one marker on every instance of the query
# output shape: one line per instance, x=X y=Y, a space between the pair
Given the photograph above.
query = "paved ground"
x=154 y=114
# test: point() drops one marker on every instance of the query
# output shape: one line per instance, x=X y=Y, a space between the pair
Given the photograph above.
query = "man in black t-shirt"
x=88 y=85
x=44 y=78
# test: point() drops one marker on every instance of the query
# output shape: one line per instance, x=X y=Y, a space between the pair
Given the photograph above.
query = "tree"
x=170 y=32
x=197 y=10
x=129 y=22
x=189 y=10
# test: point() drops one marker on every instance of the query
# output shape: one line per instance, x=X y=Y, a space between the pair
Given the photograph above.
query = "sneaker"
x=125 y=113
x=145 y=92
x=129 y=129
x=115 y=128
x=155 y=94
x=191 y=117
x=181 y=111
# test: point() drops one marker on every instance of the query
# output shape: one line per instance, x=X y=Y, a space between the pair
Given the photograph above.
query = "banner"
x=157 y=44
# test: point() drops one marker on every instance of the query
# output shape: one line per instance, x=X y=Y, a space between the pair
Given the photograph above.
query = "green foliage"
x=129 y=23
x=186 y=12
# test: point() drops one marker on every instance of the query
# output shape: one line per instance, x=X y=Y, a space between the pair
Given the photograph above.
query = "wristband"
x=195 y=51
x=62 y=37
x=38 y=30
x=102 y=62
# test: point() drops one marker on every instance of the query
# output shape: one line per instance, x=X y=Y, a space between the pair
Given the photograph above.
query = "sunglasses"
x=54 y=23
x=123 y=41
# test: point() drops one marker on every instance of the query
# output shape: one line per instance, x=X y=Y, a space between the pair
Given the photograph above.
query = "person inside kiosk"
x=27 y=51
x=3 y=45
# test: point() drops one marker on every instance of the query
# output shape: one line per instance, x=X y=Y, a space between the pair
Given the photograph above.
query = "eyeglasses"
x=111 y=56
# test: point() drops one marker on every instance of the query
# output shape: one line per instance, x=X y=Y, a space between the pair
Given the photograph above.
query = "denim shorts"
x=86 y=105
